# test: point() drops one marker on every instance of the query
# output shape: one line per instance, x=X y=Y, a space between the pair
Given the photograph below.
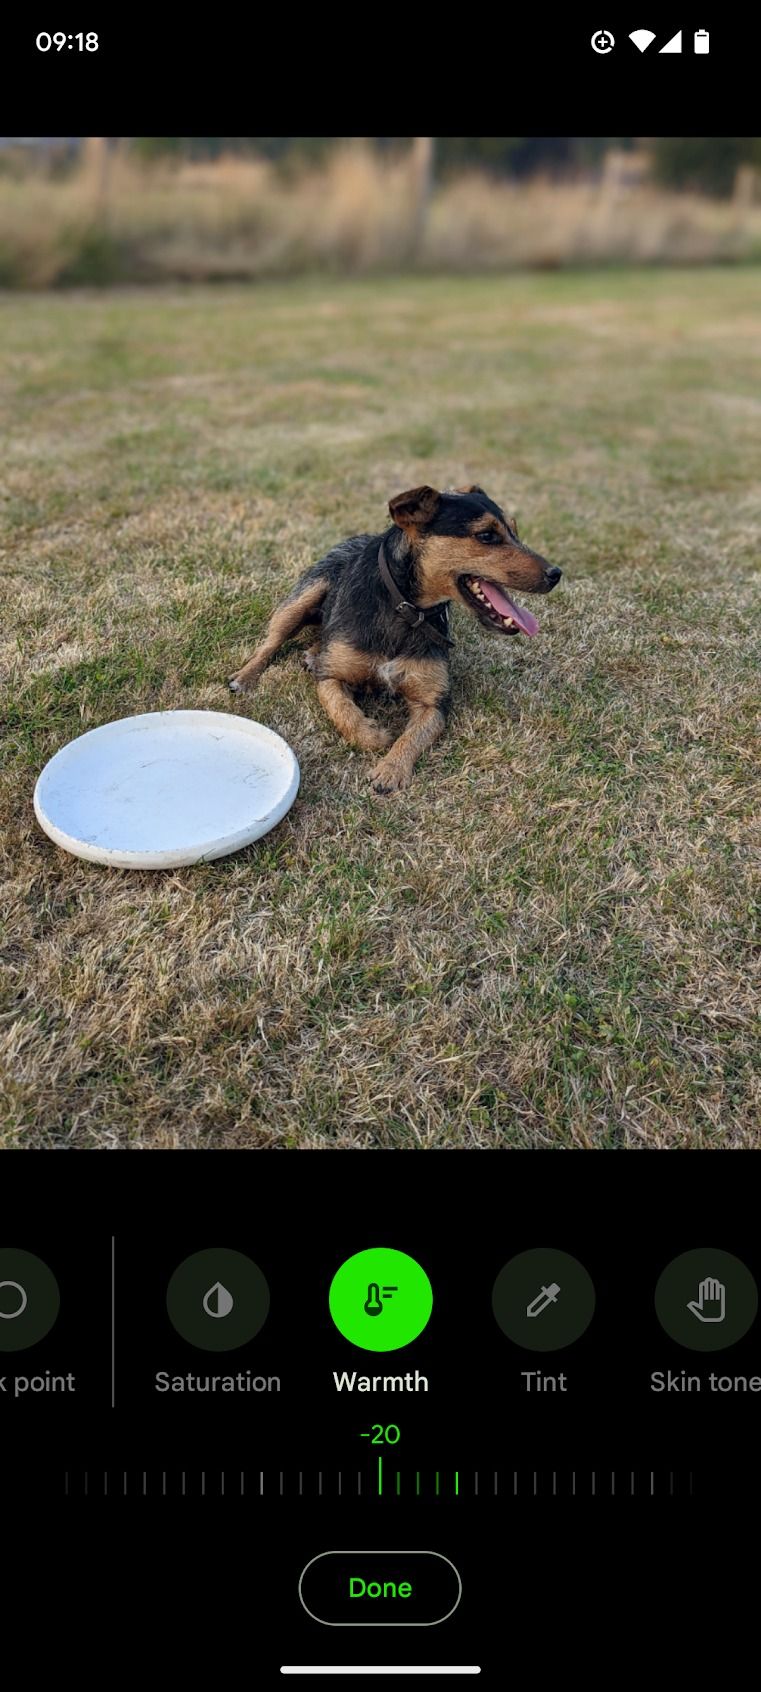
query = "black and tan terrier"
x=382 y=606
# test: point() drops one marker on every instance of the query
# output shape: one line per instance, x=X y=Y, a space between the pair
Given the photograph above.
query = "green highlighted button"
x=380 y=1299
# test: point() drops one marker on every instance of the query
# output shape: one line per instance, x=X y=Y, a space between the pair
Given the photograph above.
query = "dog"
x=382 y=606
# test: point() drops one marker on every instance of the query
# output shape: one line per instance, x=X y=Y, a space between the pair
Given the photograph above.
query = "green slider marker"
x=380 y=1476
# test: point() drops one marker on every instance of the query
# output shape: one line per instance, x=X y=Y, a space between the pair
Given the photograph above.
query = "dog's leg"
x=310 y=658
x=426 y=723
x=284 y=622
x=424 y=683
x=340 y=667
x=335 y=698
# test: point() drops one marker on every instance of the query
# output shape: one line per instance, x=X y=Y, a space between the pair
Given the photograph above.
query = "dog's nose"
x=552 y=576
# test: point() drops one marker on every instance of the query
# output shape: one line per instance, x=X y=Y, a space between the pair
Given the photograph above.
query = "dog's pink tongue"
x=508 y=608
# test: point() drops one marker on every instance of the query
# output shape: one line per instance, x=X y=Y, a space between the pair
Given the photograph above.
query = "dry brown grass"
x=552 y=939
x=238 y=218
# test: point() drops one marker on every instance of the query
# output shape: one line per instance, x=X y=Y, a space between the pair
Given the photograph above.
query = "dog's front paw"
x=242 y=684
x=389 y=776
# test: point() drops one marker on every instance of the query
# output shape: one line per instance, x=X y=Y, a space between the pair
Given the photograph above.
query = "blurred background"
x=92 y=210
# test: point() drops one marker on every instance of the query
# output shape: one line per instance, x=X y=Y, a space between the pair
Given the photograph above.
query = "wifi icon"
x=642 y=38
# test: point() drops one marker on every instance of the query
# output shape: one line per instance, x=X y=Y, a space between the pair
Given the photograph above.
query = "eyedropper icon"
x=543 y=1300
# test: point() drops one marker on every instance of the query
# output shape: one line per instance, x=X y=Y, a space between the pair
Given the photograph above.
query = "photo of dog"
x=381 y=603
x=293 y=426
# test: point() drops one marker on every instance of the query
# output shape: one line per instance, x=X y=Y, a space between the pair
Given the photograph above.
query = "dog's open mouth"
x=494 y=607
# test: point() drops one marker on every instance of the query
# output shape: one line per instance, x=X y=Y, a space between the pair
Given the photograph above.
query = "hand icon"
x=710 y=1302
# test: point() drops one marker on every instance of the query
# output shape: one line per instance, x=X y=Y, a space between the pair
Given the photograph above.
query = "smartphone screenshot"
x=379 y=818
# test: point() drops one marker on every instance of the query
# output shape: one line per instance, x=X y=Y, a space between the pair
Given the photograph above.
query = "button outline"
x=13 y=1315
x=723 y=1344
x=215 y=1350
x=46 y=1288
x=355 y=1551
x=523 y=1344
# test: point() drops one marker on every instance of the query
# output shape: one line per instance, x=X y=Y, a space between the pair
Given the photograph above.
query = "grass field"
x=552 y=938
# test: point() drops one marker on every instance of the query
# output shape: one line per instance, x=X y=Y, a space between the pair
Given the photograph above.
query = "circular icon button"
x=603 y=41
x=218 y=1299
x=29 y=1299
x=380 y=1299
x=706 y=1300
x=543 y=1300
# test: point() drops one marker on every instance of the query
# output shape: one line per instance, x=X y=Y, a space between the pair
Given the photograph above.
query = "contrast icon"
x=603 y=41
x=674 y=45
x=380 y=1299
x=642 y=38
x=218 y=1299
x=710 y=1305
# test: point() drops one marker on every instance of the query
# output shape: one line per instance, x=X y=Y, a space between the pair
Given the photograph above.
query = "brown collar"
x=404 y=608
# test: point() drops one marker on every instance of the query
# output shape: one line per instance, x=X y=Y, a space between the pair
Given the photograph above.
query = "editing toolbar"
x=381 y=1299
x=393 y=1398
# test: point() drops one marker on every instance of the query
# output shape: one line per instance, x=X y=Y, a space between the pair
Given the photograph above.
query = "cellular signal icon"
x=642 y=38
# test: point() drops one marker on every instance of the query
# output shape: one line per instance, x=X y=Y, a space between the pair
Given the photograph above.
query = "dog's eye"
x=489 y=537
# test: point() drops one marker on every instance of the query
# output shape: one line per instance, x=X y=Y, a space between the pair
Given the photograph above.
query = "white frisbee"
x=167 y=788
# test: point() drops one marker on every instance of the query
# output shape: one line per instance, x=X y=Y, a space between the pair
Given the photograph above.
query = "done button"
x=380 y=1588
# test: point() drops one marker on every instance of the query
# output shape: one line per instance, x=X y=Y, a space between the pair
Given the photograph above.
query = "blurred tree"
x=503 y=155
x=513 y=155
x=155 y=146
x=97 y=151
x=709 y=164
x=276 y=147
x=423 y=160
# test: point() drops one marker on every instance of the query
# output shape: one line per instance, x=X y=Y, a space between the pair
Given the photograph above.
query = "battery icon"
x=701 y=40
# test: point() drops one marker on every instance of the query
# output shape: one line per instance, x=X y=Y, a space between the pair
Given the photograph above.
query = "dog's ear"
x=511 y=523
x=414 y=509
